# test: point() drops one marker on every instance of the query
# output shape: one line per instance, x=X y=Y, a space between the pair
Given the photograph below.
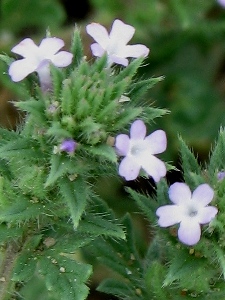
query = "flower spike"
x=115 y=43
x=139 y=152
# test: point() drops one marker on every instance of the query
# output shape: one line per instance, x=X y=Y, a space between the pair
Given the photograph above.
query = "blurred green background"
x=187 y=46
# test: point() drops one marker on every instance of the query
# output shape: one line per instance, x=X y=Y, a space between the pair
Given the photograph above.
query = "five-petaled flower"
x=189 y=210
x=38 y=59
x=68 y=145
x=115 y=43
x=139 y=152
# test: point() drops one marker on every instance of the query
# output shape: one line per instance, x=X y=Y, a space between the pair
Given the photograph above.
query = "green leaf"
x=7 y=233
x=77 y=47
x=103 y=151
x=21 y=148
x=217 y=158
x=64 y=277
x=185 y=268
x=26 y=262
x=25 y=267
x=75 y=195
x=59 y=167
x=97 y=225
x=147 y=205
x=118 y=288
x=190 y=166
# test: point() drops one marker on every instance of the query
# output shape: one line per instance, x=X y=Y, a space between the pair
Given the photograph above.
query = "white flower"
x=38 y=58
x=189 y=210
x=139 y=152
x=115 y=43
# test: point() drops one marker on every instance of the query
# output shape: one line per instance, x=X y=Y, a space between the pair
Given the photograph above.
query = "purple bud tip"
x=221 y=175
x=68 y=146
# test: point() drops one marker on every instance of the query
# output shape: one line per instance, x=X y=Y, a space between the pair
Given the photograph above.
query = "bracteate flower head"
x=189 y=210
x=38 y=58
x=139 y=151
x=115 y=43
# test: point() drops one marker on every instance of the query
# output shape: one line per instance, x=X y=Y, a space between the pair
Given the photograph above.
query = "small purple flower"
x=139 y=152
x=68 y=146
x=115 y=43
x=189 y=210
x=38 y=58
x=221 y=175
x=221 y=2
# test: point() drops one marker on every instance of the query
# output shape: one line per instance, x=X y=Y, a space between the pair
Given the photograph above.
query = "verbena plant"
x=86 y=120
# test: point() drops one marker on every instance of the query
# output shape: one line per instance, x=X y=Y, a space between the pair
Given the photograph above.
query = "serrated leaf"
x=22 y=148
x=217 y=161
x=65 y=278
x=185 y=268
x=190 y=165
x=35 y=107
x=24 y=268
x=59 y=167
x=147 y=205
x=117 y=288
x=8 y=233
x=26 y=262
x=103 y=151
x=75 y=195
x=99 y=226
x=76 y=47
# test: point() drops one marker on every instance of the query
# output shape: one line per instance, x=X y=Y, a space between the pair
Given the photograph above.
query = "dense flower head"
x=139 y=151
x=115 y=43
x=189 y=210
x=38 y=58
x=68 y=146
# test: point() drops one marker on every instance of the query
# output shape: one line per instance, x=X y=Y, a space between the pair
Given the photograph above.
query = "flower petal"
x=97 y=50
x=134 y=51
x=117 y=60
x=189 y=232
x=168 y=215
x=157 y=141
x=50 y=46
x=99 y=34
x=19 y=69
x=26 y=48
x=129 y=168
x=62 y=59
x=206 y=214
x=179 y=193
x=154 y=167
x=121 y=33
x=122 y=144
x=138 y=130
x=203 y=194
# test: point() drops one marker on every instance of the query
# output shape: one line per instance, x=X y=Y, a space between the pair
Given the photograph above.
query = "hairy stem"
x=9 y=255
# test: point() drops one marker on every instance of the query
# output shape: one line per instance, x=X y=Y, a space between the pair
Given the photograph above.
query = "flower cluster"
x=189 y=210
